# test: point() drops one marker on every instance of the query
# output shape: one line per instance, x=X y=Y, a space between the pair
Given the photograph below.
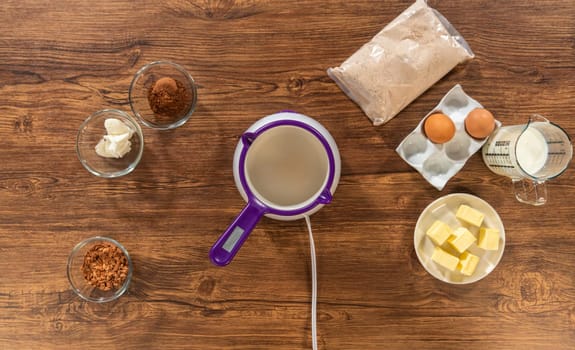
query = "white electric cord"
x=313 y=287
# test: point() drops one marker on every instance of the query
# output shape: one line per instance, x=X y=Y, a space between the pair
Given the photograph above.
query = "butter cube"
x=467 y=263
x=461 y=239
x=445 y=259
x=488 y=238
x=469 y=215
x=439 y=232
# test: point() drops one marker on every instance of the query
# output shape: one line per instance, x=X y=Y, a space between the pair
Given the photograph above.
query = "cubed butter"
x=488 y=238
x=461 y=239
x=467 y=263
x=445 y=259
x=439 y=232
x=469 y=215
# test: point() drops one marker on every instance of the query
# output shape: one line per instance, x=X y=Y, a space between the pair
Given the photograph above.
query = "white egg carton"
x=438 y=163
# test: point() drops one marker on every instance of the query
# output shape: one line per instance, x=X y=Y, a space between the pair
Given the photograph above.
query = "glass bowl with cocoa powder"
x=163 y=95
x=99 y=269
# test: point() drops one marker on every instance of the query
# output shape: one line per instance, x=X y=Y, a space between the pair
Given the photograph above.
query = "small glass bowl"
x=142 y=84
x=91 y=132
x=76 y=278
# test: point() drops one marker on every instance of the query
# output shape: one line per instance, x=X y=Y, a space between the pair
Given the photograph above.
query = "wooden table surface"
x=60 y=61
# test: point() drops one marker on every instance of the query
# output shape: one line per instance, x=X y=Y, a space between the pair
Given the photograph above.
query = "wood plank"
x=61 y=61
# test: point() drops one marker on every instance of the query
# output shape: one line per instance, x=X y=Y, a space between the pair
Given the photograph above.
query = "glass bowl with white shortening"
x=110 y=143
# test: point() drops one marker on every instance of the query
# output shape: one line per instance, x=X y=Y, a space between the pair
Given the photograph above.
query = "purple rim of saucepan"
x=270 y=210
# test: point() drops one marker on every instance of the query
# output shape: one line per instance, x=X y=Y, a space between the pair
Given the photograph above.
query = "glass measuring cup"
x=529 y=154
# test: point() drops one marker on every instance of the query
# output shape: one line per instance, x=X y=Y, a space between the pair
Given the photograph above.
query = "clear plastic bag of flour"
x=401 y=62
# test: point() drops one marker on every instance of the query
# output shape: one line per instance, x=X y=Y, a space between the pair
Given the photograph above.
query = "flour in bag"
x=399 y=63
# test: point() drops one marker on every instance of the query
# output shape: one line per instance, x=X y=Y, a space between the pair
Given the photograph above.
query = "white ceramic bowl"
x=444 y=209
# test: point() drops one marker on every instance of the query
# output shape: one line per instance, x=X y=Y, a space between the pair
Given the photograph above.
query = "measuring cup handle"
x=226 y=247
x=530 y=191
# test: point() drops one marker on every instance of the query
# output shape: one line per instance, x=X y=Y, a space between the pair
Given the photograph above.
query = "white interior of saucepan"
x=287 y=167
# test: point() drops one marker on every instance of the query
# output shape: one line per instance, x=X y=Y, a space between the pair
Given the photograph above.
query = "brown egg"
x=439 y=128
x=479 y=123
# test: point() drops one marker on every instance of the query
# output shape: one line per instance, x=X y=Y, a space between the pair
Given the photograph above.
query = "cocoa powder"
x=105 y=267
x=169 y=99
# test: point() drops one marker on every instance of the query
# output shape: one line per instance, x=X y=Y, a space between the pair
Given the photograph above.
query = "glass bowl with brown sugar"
x=99 y=269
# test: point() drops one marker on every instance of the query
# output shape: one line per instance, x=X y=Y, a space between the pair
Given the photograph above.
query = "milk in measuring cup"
x=532 y=151
x=529 y=154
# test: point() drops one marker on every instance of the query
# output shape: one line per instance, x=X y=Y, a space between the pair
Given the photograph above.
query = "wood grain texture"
x=62 y=60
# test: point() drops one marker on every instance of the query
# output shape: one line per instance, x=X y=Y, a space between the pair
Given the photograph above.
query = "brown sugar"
x=169 y=99
x=105 y=267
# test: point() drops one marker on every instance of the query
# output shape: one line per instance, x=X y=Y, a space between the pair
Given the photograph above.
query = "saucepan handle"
x=226 y=247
